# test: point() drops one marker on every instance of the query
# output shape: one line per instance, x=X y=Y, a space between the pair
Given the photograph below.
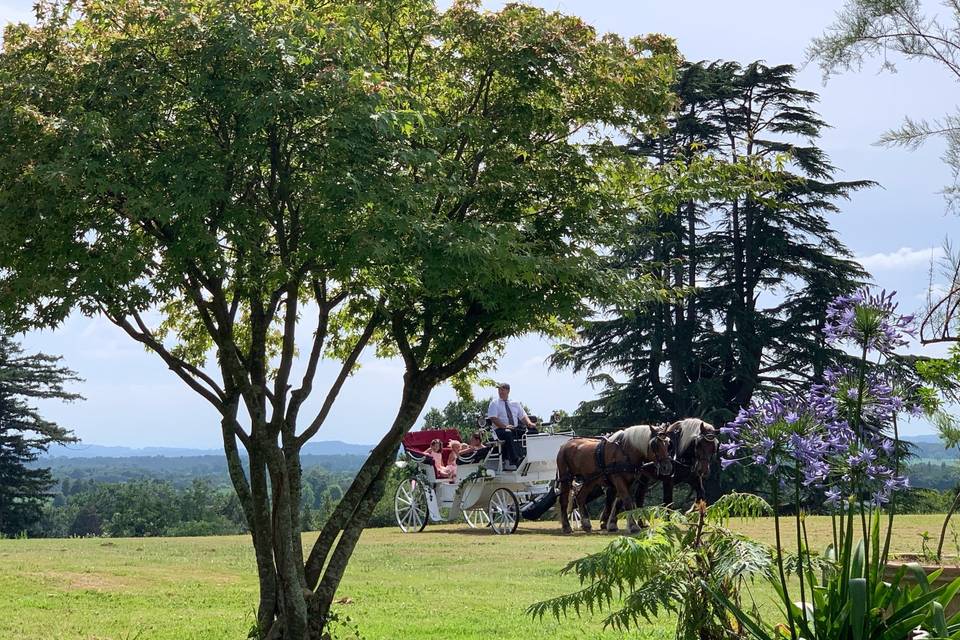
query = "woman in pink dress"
x=436 y=452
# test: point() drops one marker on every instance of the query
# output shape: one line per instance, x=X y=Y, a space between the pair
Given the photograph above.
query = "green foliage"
x=892 y=29
x=855 y=601
x=738 y=216
x=673 y=566
x=457 y=414
x=428 y=182
x=25 y=435
x=916 y=500
x=181 y=471
x=142 y=508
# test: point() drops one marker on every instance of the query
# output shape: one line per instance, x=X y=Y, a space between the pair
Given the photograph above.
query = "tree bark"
x=261 y=532
x=415 y=394
x=303 y=593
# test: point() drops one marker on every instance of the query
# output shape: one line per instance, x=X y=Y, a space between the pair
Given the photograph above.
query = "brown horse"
x=615 y=460
x=694 y=445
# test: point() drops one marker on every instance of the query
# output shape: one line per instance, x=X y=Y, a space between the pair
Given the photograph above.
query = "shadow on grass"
x=485 y=531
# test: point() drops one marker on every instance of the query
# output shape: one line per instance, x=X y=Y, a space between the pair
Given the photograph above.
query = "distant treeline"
x=161 y=507
x=178 y=471
x=192 y=495
x=932 y=451
x=942 y=476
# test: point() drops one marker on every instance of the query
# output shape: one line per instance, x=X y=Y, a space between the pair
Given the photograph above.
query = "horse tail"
x=563 y=474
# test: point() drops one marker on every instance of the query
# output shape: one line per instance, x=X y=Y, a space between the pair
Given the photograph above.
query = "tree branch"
x=286 y=352
x=190 y=374
x=300 y=394
x=403 y=345
x=457 y=365
x=348 y=364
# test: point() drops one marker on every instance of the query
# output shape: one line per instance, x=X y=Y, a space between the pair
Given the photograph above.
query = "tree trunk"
x=262 y=534
x=946 y=521
x=304 y=592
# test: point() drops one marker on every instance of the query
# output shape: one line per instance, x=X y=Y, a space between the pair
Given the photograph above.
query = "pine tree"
x=24 y=434
x=757 y=270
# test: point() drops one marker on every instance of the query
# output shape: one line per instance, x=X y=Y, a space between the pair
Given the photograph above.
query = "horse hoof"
x=567 y=530
x=586 y=528
x=612 y=529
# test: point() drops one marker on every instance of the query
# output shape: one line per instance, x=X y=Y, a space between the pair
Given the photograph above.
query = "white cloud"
x=902 y=258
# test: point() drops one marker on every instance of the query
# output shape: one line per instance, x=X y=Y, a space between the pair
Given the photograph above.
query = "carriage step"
x=536 y=508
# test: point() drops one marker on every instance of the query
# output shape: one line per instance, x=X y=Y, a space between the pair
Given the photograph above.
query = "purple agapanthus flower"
x=869 y=320
x=833 y=437
x=832 y=496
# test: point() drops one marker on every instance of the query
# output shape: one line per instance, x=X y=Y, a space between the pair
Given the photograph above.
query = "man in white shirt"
x=510 y=422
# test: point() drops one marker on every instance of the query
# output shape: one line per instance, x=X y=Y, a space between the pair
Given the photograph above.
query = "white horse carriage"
x=483 y=491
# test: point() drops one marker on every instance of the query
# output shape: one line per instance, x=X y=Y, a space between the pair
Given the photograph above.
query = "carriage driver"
x=510 y=422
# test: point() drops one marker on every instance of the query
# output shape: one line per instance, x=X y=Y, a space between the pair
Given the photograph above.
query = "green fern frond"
x=737 y=505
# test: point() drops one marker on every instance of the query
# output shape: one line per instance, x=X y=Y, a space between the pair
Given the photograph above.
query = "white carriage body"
x=477 y=482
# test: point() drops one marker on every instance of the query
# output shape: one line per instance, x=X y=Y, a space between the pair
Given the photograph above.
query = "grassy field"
x=448 y=582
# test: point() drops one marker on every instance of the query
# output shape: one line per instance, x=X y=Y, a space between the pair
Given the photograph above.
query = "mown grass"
x=448 y=582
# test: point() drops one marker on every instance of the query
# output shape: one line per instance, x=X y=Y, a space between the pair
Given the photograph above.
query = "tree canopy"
x=739 y=233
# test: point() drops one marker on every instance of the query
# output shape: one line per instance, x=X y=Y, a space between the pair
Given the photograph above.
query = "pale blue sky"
x=133 y=400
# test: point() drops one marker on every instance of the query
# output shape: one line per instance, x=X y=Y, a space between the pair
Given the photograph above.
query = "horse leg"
x=668 y=492
x=623 y=491
x=642 y=486
x=582 y=500
x=698 y=487
x=609 y=499
x=611 y=508
x=565 y=488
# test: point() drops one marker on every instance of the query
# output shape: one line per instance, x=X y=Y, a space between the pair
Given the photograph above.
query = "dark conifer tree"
x=24 y=434
x=759 y=270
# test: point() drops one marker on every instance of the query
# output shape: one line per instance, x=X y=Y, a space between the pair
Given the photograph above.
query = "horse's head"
x=705 y=447
x=660 y=451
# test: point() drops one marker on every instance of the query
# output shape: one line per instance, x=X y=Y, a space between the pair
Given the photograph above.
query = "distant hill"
x=83 y=450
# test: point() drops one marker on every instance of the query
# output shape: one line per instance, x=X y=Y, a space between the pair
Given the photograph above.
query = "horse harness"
x=605 y=470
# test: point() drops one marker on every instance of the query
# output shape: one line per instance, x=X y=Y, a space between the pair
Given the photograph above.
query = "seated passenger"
x=436 y=453
x=464 y=448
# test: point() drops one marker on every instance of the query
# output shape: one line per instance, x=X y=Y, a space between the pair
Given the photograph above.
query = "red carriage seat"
x=417 y=442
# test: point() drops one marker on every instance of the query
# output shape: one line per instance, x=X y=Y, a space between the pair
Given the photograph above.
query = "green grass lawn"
x=447 y=582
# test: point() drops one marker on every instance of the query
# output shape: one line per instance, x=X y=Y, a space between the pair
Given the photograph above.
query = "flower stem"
x=803 y=595
x=893 y=504
x=861 y=383
x=775 y=484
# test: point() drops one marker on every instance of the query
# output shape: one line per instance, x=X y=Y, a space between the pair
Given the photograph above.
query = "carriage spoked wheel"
x=410 y=505
x=504 y=511
x=575 y=517
x=476 y=518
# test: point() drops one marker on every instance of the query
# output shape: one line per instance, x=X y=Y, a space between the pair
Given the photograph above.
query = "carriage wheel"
x=575 y=517
x=410 y=506
x=504 y=511
x=476 y=518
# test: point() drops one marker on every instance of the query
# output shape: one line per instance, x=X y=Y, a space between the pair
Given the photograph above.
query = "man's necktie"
x=509 y=413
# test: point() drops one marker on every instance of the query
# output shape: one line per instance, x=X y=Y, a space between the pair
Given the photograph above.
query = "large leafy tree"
x=752 y=265
x=25 y=434
x=206 y=174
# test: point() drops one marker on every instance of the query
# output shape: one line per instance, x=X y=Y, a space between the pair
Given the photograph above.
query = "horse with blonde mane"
x=614 y=461
x=694 y=446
